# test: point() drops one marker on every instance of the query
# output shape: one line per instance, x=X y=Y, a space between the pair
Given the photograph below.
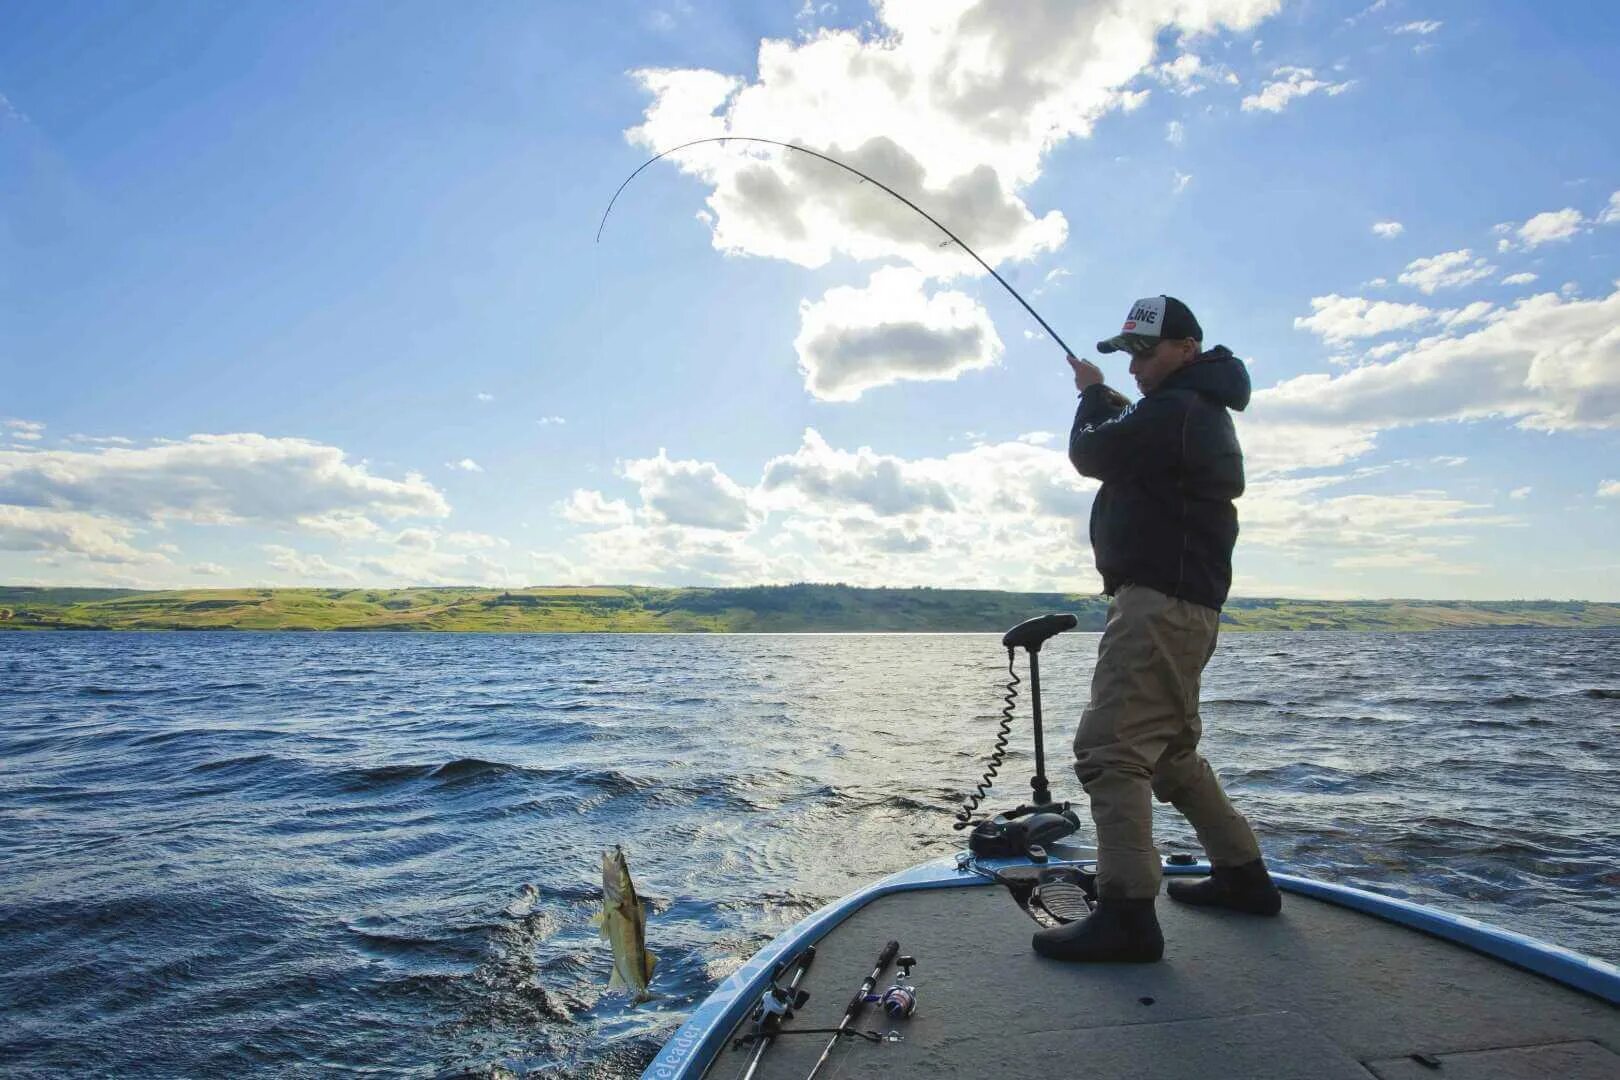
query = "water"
x=289 y=854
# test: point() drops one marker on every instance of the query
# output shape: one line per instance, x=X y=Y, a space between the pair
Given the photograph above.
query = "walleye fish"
x=624 y=923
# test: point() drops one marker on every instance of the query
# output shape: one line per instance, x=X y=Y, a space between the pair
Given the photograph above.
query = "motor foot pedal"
x=1063 y=901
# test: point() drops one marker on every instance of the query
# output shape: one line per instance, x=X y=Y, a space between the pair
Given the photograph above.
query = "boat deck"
x=1320 y=992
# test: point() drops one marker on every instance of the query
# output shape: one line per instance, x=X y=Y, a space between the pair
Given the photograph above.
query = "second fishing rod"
x=857 y=1003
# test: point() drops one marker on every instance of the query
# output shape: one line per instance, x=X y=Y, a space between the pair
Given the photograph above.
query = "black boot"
x=1119 y=931
x=1246 y=888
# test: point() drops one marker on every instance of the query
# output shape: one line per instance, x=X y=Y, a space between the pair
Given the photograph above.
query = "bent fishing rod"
x=850 y=169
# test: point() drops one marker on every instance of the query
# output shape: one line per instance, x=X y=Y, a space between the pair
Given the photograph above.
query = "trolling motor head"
x=1004 y=835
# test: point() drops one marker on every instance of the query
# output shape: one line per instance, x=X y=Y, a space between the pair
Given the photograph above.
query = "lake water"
x=286 y=854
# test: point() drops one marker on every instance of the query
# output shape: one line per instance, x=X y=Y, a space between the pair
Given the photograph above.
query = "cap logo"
x=1131 y=325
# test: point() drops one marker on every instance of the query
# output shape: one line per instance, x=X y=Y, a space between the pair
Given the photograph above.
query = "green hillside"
x=761 y=609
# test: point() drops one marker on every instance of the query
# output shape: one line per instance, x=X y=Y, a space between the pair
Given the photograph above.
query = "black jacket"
x=1170 y=466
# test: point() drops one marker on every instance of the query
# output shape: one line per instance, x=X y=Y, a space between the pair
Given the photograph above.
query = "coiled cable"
x=964 y=816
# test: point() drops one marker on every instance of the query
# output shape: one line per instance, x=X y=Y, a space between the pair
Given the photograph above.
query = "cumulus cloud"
x=1290 y=83
x=1524 y=277
x=1174 y=133
x=826 y=513
x=23 y=430
x=1445 y=271
x=1187 y=73
x=466 y=464
x=695 y=494
x=1389 y=230
x=57 y=532
x=307 y=568
x=854 y=339
x=817 y=473
x=215 y=480
x=1425 y=26
x=593 y=508
x=342 y=524
x=1520 y=493
x=1610 y=214
x=1549 y=362
x=952 y=103
x=1338 y=319
x=208 y=569
x=1609 y=489
x=1419 y=530
x=1547 y=227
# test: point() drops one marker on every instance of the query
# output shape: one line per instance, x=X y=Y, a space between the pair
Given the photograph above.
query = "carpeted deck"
x=1320 y=992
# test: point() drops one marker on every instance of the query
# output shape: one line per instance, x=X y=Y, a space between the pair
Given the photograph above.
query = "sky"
x=311 y=294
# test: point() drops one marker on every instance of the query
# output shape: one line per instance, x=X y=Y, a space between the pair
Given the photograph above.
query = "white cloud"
x=417 y=538
x=1546 y=227
x=1184 y=73
x=1609 y=489
x=485 y=397
x=466 y=464
x=1408 y=530
x=1272 y=447
x=1291 y=83
x=593 y=508
x=307 y=568
x=1181 y=182
x=818 y=474
x=101 y=440
x=70 y=532
x=1520 y=493
x=467 y=540
x=214 y=480
x=1447 y=270
x=1549 y=226
x=951 y=102
x=1524 y=277
x=1610 y=214
x=1389 y=230
x=1037 y=438
x=1337 y=319
x=1548 y=362
x=343 y=524
x=855 y=339
x=1174 y=133
x=1478 y=311
x=1449 y=461
x=1426 y=26
x=548 y=421
x=430 y=566
x=208 y=569
x=694 y=494
x=24 y=430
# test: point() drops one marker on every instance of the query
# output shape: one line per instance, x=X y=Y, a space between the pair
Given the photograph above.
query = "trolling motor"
x=1025 y=829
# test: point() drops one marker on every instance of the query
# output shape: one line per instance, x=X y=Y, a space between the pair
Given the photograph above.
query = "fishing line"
x=851 y=169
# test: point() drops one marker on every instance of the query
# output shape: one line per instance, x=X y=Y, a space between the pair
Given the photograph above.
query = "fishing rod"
x=775 y=1008
x=857 y=1003
x=851 y=169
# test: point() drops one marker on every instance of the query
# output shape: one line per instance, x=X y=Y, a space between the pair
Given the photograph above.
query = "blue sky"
x=309 y=294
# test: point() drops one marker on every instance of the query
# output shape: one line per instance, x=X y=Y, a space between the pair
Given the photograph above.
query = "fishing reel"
x=1027 y=829
x=899 y=1001
x=781 y=1001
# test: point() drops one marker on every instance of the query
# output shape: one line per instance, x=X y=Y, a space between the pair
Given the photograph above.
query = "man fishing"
x=1162 y=529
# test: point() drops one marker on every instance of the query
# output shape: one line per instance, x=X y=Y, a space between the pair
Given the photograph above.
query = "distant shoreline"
x=801 y=609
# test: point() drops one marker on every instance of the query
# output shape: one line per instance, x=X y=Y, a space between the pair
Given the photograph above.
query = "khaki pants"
x=1139 y=738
